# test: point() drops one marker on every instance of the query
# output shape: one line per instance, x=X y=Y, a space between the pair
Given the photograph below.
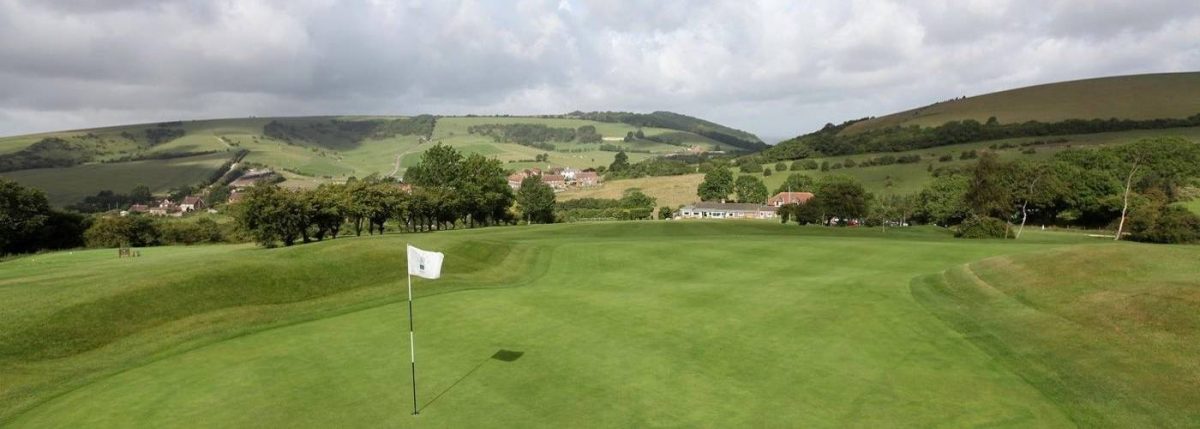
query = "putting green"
x=744 y=324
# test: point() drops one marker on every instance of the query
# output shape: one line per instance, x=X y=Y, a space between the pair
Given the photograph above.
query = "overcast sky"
x=775 y=68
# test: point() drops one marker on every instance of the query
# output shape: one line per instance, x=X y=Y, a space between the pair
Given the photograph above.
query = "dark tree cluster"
x=444 y=190
x=837 y=200
x=633 y=205
x=49 y=152
x=28 y=224
x=1130 y=189
x=532 y=135
x=157 y=136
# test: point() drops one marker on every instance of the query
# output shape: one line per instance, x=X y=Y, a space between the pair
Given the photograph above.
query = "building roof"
x=743 y=207
x=192 y=199
x=790 y=197
x=583 y=174
x=553 y=178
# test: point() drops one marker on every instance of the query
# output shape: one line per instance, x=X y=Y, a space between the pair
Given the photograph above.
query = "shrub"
x=1170 y=224
x=115 y=231
x=983 y=227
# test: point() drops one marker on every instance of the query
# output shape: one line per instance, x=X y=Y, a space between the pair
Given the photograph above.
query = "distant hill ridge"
x=1136 y=97
x=1121 y=103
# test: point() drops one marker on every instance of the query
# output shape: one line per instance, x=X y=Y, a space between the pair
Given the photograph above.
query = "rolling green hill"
x=314 y=335
x=309 y=150
x=1147 y=96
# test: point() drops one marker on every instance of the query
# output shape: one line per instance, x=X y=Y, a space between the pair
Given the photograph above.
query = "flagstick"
x=412 y=345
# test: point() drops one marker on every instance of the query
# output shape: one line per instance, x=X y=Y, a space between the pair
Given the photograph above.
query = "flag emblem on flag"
x=423 y=263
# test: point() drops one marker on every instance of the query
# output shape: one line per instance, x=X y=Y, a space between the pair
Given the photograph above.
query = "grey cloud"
x=771 y=66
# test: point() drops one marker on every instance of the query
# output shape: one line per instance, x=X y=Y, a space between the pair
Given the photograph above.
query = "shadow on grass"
x=500 y=355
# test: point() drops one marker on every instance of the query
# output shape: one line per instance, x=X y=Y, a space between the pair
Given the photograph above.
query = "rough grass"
x=670 y=191
x=1110 y=333
x=1148 y=96
x=619 y=325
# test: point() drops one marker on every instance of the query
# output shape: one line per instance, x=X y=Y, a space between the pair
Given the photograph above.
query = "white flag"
x=423 y=263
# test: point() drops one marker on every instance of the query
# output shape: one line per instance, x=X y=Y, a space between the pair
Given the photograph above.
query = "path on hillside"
x=400 y=156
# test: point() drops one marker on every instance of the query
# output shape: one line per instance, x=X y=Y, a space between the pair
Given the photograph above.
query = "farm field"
x=668 y=190
x=620 y=324
x=65 y=186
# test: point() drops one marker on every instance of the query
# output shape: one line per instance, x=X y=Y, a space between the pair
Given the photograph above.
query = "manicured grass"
x=1148 y=96
x=64 y=186
x=620 y=324
x=1110 y=333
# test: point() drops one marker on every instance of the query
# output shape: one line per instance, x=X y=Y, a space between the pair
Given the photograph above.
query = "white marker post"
x=428 y=265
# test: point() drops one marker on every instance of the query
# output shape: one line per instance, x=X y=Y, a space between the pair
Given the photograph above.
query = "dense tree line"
x=346 y=134
x=1129 y=189
x=107 y=200
x=633 y=205
x=652 y=167
x=160 y=135
x=830 y=140
x=144 y=231
x=533 y=135
x=837 y=200
x=445 y=190
x=29 y=224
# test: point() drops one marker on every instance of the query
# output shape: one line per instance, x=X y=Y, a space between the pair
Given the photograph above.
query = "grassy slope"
x=904 y=178
x=310 y=164
x=668 y=190
x=911 y=178
x=1110 y=333
x=632 y=324
x=65 y=186
x=1149 y=96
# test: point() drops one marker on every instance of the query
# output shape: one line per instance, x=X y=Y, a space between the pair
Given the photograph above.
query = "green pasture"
x=636 y=324
x=65 y=186
x=911 y=178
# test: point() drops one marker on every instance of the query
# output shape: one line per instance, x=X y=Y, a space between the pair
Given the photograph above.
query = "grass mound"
x=1110 y=334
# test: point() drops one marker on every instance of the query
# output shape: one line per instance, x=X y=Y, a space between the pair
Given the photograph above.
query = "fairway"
x=711 y=324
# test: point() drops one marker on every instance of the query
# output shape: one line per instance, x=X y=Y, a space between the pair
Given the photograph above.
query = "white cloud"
x=773 y=67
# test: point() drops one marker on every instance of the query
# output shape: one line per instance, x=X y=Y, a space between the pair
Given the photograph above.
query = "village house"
x=556 y=181
x=192 y=203
x=165 y=208
x=514 y=180
x=557 y=178
x=587 y=178
x=789 y=198
x=711 y=210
